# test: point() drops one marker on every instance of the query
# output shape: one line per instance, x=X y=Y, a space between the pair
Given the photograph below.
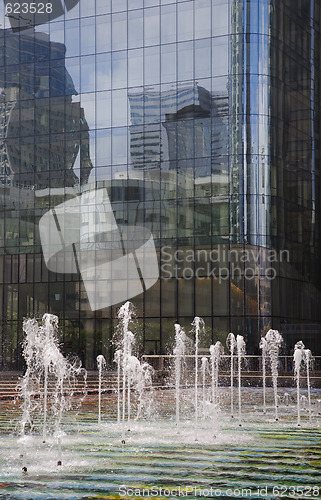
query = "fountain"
x=308 y=360
x=304 y=401
x=179 y=353
x=231 y=345
x=118 y=361
x=101 y=364
x=204 y=369
x=134 y=375
x=125 y=345
x=263 y=346
x=273 y=343
x=105 y=459
x=198 y=326
x=240 y=349
x=46 y=370
x=144 y=387
x=302 y=355
x=297 y=358
x=216 y=352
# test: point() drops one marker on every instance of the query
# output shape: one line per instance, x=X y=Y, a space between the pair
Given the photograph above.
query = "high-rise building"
x=181 y=132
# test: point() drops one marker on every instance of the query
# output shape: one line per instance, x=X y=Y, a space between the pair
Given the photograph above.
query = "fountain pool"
x=261 y=459
x=181 y=440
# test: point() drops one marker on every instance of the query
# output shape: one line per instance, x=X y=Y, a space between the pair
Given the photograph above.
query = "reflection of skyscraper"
x=184 y=133
x=183 y=128
x=37 y=102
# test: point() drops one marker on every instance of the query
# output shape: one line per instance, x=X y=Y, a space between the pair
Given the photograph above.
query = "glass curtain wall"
x=295 y=167
x=200 y=119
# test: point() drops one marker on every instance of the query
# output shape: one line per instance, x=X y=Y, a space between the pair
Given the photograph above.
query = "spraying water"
x=308 y=359
x=50 y=356
x=144 y=387
x=273 y=342
x=264 y=347
x=198 y=325
x=286 y=399
x=126 y=315
x=48 y=372
x=29 y=385
x=179 y=353
x=118 y=360
x=216 y=352
x=304 y=401
x=101 y=364
x=45 y=364
x=204 y=368
x=135 y=376
x=231 y=345
x=240 y=348
x=126 y=339
x=298 y=358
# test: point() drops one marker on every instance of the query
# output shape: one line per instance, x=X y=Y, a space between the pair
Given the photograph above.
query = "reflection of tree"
x=37 y=93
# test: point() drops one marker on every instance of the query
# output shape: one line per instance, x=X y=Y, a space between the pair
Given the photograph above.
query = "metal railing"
x=250 y=363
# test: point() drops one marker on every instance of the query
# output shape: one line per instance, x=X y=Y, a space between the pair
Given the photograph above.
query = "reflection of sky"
x=258 y=53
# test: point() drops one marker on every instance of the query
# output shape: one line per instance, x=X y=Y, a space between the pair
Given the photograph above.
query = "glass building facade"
x=200 y=119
